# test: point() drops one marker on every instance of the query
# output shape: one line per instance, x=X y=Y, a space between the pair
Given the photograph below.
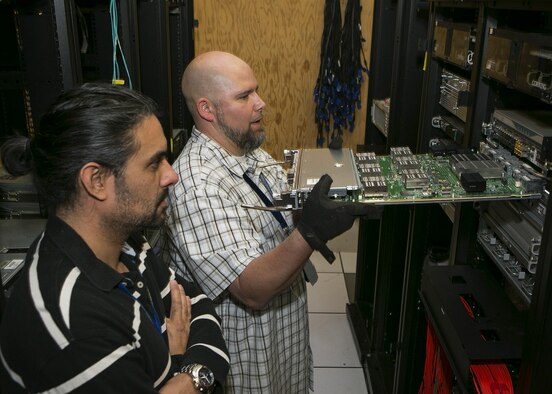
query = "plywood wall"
x=280 y=39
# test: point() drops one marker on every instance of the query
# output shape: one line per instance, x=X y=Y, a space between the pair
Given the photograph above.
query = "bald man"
x=248 y=261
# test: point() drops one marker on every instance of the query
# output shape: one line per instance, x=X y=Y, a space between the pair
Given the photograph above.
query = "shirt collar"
x=78 y=252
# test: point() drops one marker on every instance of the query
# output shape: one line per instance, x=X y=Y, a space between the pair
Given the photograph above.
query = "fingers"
x=177 y=300
x=369 y=211
x=181 y=305
x=178 y=324
x=187 y=309
x=375 y=212
x=357 y=209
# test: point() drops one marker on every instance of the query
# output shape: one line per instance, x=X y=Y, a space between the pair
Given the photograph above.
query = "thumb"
x=322 y=187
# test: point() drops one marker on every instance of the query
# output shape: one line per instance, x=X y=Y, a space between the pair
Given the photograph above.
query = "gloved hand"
x=323 y=219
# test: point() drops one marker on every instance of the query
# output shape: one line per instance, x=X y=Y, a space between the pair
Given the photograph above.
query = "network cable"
x=116 y=77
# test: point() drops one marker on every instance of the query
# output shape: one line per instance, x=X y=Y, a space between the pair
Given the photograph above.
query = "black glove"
x=323 y=219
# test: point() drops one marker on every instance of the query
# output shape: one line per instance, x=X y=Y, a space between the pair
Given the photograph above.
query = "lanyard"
x=277 y=215
x=154 y=319
x=309 y=270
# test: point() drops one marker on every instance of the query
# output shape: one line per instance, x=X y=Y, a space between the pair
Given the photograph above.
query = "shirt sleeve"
x=206 y=345
x=216 y=237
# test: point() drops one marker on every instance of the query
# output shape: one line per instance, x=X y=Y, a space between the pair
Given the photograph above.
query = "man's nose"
x=170 y=177
x=260 y=104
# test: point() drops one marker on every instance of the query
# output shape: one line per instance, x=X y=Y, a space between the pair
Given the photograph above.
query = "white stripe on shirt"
x=90 y=373
x=13 y=375
x=206 y=317
x=38 y=300
x=213 y=349
x=65 y=295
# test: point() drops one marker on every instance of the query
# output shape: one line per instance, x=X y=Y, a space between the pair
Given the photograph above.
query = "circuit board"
x=404 y=178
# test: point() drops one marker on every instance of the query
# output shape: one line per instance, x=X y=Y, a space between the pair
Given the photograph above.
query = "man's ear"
x=205 y=109
x=94 y=180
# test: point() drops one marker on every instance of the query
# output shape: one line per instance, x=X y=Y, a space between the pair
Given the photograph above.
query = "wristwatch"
x=203 y=378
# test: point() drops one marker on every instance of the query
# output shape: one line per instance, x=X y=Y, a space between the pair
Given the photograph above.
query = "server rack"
x=390 y=310
x=53 y=45
x=396 y=70
x=50 y=46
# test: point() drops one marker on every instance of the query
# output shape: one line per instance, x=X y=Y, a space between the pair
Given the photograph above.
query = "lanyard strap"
x=309 y=270
x=154 y=319
x=277 y=215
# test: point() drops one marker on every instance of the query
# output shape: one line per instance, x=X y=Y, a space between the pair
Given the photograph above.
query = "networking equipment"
x=380 y=114
x=406 y=178
x=455 y=91
x=527 y=134
x=454 y=43
x=520 y=60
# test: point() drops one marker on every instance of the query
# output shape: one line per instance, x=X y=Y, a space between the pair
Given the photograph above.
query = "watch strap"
x=193 y=371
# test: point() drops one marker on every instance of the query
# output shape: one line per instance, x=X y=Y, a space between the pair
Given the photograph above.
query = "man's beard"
x=246 y=140
x=132 y=214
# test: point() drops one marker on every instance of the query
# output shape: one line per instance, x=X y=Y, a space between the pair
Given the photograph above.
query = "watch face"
x=206 y=377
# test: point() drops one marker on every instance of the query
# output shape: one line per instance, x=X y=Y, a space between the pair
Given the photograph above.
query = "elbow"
x=256 y=305
x=250 y=299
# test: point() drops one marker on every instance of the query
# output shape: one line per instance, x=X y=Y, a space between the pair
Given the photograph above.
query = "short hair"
x=91 y=123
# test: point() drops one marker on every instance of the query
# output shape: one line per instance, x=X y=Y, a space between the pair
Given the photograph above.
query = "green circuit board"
x=404 y=178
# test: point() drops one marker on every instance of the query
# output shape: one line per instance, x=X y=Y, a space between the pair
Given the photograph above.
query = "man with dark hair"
x=94 y=311
x=250 y=262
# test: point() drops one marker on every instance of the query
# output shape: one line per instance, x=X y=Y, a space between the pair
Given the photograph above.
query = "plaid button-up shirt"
x=217 y=238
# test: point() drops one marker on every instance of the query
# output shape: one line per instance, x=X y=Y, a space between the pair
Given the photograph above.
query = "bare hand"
x=178 y=324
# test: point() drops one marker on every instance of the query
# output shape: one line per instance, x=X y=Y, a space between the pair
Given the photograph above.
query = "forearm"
x=273 y=272
x=206 y=345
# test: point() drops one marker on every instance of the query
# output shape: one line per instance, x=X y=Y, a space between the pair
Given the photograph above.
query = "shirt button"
x=140 y=284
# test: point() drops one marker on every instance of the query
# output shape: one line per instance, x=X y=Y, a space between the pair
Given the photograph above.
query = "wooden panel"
x=281 y=41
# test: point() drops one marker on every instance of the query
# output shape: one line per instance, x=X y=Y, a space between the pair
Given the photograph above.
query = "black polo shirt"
x=73 y=323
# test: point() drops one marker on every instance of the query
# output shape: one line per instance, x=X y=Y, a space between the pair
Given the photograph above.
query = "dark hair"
x=15 y=155
x=91 y=123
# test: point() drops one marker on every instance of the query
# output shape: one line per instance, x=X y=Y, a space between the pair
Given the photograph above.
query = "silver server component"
x=475 y=162
x=534 y=211
x=454 y=93
x=407 y=164
x=517 y=233
x=366 y=157
x=522 y=173
x=415 y=179
x=516 y=274
x=380 y=115
x=400 y=151
x=16 y=236
x=338 y=163
x=375 y=178
x=10 y=265
x=375 y=188
x=450 y=125
x=290 y=157
x=370 y=170
x=368 y=166
x=528 y=134
x=18 y=197
x=529 y=182
x=308 y=165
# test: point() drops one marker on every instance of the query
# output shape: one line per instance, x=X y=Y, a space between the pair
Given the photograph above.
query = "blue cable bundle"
x=116 y=79
x=337 y=90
